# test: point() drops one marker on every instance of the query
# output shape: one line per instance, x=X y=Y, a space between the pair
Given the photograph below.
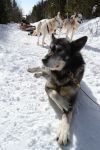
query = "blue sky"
x=27 y=5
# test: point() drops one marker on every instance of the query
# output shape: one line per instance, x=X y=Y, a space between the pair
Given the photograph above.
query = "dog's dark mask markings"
x=64 y=56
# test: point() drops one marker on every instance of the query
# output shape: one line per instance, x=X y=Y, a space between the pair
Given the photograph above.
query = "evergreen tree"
x=16 y=12
x=9 y=11
x=3 y=11
x=49 y=8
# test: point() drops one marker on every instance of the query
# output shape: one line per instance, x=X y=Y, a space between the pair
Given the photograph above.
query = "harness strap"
x=47 y=28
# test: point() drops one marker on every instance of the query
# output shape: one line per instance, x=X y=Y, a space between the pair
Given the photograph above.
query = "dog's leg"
x=33 y=70
x=60 y=101
x=64 y=129
x=59 y=32
x=38 y=31
x=38 y=72
x=43 y=39
x=73 y=31
x=67 y=32
x=38 y=35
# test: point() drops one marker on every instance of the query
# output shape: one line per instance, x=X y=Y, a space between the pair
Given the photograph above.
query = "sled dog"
x=63 y=68
x=47 y=26
x=71 y=25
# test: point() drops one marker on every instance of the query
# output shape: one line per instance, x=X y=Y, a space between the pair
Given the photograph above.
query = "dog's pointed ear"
x=78 y=44
x=53 y=37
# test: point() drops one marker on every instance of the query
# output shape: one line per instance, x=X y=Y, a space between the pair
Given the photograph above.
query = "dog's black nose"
x=44 y=60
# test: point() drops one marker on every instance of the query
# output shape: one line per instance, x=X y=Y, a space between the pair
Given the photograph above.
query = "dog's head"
x=63 y=53
x=59 y=20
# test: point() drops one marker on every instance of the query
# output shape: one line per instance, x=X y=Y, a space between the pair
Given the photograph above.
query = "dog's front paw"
x=37 y=75
x=31 y=70
x=63 y=137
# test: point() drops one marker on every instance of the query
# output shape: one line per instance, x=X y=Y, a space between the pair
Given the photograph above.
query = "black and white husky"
x=63 y=69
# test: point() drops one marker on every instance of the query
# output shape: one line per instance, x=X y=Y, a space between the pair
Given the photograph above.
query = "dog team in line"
x=48 y=26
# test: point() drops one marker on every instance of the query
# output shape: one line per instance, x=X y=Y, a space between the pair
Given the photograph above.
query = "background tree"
x=9 y=11
x=49 y=8
x=3 y=11
x=16 y=12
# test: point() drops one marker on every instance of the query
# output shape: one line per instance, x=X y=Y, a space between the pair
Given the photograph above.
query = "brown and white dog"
x=47 y=27
x=71 y=25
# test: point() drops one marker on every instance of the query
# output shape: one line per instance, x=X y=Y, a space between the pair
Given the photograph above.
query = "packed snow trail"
x=27 y=120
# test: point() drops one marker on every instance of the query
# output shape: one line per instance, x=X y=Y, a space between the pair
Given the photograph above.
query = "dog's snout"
x=44 y=60
x=47 y=57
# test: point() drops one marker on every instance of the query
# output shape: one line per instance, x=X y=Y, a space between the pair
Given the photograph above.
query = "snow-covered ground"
x=27 y=120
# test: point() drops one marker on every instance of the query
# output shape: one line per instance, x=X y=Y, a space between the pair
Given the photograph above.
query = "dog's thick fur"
x=47 y=27
x=64 y=69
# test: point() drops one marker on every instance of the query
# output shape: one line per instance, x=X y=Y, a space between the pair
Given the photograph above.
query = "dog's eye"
x=53 y=48
x=58 y=50
x=67 y=58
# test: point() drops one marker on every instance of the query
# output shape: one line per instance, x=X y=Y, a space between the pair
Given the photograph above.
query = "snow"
x=27 y=120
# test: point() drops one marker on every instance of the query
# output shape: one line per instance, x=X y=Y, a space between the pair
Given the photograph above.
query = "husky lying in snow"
x=47 y=26
x=64 y=69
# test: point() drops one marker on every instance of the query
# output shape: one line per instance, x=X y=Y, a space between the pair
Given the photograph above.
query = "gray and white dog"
x=63 y=69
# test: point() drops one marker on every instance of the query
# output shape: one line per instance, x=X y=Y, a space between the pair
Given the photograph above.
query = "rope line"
x=89 y=97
